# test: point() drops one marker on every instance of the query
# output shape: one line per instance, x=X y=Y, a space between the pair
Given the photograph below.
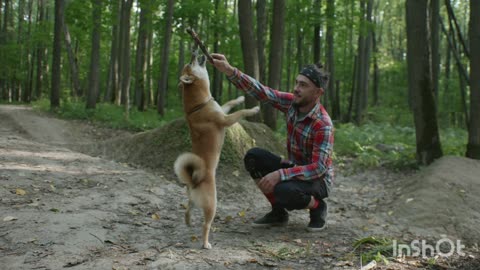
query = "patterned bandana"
x=310 y=72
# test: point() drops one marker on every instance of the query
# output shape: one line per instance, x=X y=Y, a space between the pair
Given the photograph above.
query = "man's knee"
x=251 y=158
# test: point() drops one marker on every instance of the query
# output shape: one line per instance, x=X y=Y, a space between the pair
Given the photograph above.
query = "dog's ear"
x=187 y=79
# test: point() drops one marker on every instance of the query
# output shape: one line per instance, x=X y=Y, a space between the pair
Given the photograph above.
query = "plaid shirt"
x=309 y=138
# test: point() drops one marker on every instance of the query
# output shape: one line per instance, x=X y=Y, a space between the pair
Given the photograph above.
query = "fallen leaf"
x=53 y=188
x=194 y=238
x=228 y=218
x=409 y=200
x=10 y=218
x=20 y=192
x=390 y=213
x=156 y=216
x=241 y=213
x=298 y=241
x=55 y=210
x=236 y=173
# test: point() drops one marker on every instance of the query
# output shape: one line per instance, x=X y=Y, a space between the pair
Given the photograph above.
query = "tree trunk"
x=217 y=76
x=275 y=59
x=113 y=70
x=124 y=54
x=435 y=42
x=150 y=83
x=261 y=38
x=72 y=59
x=94 y=74
x=364 y=51
x=41 y=52
x=163 y=82
x=317 y=31
x=334 y=102
x=57 y=54
x=452 y=18
x=141 y=55
x=249 y=49
x=420 y=83
x=27 y=94
x=473 y=146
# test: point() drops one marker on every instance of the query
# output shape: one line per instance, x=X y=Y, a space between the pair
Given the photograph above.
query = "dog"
x=207 y=121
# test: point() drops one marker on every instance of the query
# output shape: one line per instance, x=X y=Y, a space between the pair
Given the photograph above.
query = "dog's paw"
x=207 y=246
x=256 y=109
x=240 y=99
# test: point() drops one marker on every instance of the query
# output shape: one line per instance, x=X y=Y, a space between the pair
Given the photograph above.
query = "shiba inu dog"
x=207 y=121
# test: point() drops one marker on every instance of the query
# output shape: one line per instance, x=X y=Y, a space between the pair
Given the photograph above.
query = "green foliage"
x=110 y=115
x=372 y=145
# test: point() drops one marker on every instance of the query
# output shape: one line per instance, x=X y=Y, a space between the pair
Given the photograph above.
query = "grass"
x=373 y=248
x=110 y=115
x=387 y=138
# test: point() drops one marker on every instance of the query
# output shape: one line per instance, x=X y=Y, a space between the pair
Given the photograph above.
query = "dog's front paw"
x=207 y=246
x=256 y=109
x=240 y=99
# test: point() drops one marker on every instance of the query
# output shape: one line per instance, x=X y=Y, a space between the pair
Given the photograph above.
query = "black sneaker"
x=318 y=217
x=276 y=217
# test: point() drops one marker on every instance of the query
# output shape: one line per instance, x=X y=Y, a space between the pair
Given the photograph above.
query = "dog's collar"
x=199 y=106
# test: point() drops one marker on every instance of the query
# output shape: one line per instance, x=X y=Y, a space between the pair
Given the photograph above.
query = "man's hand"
x=269 y=181
x=221 y=63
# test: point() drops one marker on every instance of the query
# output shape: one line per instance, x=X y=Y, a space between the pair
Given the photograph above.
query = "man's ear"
x=186 y=79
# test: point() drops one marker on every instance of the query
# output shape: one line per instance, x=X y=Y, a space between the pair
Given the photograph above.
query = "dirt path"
x=60 y=209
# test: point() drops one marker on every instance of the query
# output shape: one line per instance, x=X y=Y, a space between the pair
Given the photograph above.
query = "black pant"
x=288 y=194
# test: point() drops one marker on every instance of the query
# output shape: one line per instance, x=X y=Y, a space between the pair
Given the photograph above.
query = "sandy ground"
x=61 y=208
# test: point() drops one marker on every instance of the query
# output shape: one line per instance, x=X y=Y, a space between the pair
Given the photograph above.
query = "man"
x=304 y=180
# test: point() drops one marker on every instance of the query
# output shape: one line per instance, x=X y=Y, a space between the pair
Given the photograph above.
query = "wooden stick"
x=200 y=44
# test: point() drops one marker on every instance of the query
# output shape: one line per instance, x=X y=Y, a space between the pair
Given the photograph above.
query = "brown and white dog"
x=207 y=121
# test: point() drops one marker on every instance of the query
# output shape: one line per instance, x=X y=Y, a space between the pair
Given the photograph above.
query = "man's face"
x=306 y=93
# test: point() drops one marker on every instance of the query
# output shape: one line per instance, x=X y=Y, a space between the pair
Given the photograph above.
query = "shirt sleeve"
x=280 y=100
x=322 y=150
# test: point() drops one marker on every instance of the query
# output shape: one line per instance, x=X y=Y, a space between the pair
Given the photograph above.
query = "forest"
x=406 y=63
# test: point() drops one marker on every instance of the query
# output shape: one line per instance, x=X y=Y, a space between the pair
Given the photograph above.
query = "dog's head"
x=196 y=70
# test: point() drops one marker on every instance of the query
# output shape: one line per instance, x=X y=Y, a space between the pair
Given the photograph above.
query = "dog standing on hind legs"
x=207 y=121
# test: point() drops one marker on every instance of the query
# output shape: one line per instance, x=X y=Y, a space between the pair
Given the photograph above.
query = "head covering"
x=310 y=71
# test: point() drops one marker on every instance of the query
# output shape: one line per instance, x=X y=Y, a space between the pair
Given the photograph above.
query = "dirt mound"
x=443 y=199
x=160 y=147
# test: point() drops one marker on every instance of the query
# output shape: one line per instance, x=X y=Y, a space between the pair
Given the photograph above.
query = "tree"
x=275 y=59
x=420 y=83
x=124 y=56
x=141 y=61
x=249 y=48
x=332 y=94
x=113 y=70
x=261 y=38
x=57 y=54
x=363 y=63
x=72 y=59
x=163 y=81
x=317 y=31
x=473 y=146
x=94 y=74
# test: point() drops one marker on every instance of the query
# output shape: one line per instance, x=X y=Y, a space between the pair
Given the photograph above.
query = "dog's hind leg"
x=232 y=103
x=209 y=214
x=188 y=212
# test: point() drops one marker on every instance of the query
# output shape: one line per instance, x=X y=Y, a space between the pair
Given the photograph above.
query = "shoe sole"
x=269 y=225
x=310 y=229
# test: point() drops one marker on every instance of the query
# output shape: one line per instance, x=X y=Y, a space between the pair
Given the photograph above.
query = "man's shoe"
x=318 y=217
x=276 y=217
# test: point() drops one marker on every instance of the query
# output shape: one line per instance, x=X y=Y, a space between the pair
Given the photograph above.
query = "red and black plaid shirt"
x=309 y=138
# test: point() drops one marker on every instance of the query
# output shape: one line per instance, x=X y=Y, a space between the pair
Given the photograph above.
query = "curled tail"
x=190 y=169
